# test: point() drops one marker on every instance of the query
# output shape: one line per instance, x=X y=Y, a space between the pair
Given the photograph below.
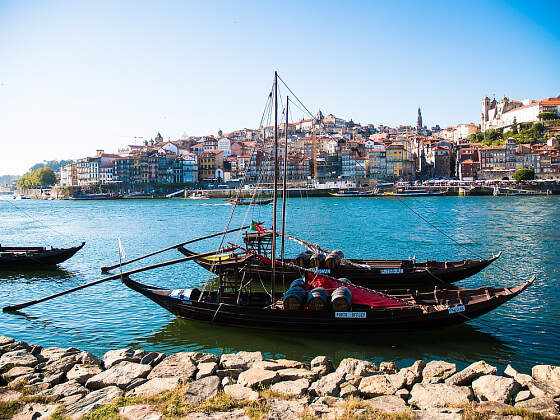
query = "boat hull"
x=410 y=273
x=31 y=259
x=409 y=317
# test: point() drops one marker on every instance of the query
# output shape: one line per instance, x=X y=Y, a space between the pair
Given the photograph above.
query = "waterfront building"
x=224 y=144
x=503 y=114
x=209 y=162
x=377 y=163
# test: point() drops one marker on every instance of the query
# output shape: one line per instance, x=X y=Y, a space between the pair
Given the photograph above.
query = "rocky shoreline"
x=59 y=383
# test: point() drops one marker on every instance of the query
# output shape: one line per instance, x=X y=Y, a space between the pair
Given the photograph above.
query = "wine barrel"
x=294 y=298
x=344 y=280
x=298 y=283
x=341 y=299
x=334 y=259
x=318 y=260
x=318 y=299
x=303 y=259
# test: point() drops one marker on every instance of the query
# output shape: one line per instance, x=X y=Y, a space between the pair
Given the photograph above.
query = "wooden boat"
x=242 y=202
x=413 y=193
x=198 y=196
x=364 y=272
x=33 y=256
x=351 y=193
x=391 y=310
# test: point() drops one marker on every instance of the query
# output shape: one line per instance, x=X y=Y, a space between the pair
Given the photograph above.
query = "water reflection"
x=448 y=343
x=32 y=274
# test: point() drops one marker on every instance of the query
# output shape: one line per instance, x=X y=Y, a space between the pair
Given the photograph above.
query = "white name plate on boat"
x=323 y=270
x=361 y=315
x=455 y=309
x=391 y=271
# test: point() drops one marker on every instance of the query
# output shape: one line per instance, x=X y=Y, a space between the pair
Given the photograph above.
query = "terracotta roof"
x=468 y=162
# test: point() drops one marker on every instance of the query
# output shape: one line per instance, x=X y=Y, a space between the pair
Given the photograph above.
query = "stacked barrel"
x=317 y=299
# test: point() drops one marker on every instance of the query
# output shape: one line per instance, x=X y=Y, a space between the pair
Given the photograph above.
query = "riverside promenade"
x=59 y=383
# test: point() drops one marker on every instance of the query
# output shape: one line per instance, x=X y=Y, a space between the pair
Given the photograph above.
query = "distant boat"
x=413 y=193
x=95 y=197
x=244 y=202
x=351 y=193
x=20 y=197
x=137 y=196
x=33 y=256
x=198 y=196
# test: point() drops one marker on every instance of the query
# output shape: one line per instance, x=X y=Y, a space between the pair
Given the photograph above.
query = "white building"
x=502 y=114
x=224 y=144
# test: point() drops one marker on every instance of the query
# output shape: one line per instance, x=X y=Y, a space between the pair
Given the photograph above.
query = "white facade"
x=224 y=144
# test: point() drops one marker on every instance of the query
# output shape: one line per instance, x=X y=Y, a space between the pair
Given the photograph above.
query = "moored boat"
x=413 y=193
x=246 y=202
x=351 y=193
x=33 y=256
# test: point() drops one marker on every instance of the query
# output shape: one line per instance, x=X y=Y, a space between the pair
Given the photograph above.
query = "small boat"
x=351 y=193
x=137 y=196
x=32 y=256
x=368 y=310
x=363 y=272
x=198 y=196
x=413 y=193
x=245 y=202
x=101 y=196
x=20 y=197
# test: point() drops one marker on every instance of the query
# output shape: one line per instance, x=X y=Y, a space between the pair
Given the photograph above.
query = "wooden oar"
x=115 y=276
x=107 y=269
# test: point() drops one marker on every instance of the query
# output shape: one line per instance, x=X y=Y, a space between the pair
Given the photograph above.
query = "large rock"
x=544 y=405
x=240 y=392
x=19 y=345
x=293 y=374
x=55 y=353
x=412 y=374
x=495 y=388
x=437 y=371
x=356 y=367
x=521 y=378
x=112 y=357
x=123 y=375
x=177 y=365
x=199 y=357
x=16 y=372
x=86 y=358
x=229 y=373
x=442 y=414
x=7 y=395
x=140 y=412
x=92 y=401
x=522 y=396
x=257 y=376
x=439 y=395
x=81 y=373
x=387 y=403
x=17 y=358
x=153 y=358
x=548 y=375
x=240 y=360
x=35 y=411
x=64 y=389
x=328 y=385
x=292 y=388
x=470 y=373
x=374 y=386
x=6 y=340
x=206 y=369
x=278 y=364
x=322 y=365
x=154 y=386
x=238 y=414
x=389 y=367
x=281 y=409
x=203 y=389
x=348 y=390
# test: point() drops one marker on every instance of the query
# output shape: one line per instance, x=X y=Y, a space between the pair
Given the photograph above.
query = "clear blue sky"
x=77 y=75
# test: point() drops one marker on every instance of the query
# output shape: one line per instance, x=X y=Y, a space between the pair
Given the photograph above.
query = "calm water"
x=525 y=331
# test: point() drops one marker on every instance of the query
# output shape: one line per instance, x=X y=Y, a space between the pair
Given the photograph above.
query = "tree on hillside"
x=524 y=175
x=547 y=115
x=53 y=164
x=41 y=177
x=514 y=126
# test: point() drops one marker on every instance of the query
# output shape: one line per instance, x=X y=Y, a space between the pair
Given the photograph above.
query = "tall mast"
x=314 y=153
x=285 y=184
x=275 y=188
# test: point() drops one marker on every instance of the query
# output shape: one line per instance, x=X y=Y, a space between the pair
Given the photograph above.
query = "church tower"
x=419 y=120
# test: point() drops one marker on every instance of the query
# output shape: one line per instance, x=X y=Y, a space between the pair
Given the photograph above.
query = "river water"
x=523 y=332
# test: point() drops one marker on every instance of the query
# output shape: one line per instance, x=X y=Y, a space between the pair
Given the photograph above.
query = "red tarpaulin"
x=359 y=295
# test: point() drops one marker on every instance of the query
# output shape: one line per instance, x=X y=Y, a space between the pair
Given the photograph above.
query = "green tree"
x=547 y=115
x=514 y=126
x=41 y=177
x=524 y=175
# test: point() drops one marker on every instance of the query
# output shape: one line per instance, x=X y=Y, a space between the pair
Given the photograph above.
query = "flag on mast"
x=121 y=249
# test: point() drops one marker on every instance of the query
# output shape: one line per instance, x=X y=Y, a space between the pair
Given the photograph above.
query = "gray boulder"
x=92 y=401
x=16 y=372
x=177 y=365
x=426 y=396
x=124 y=375
x=292 y=388
x=6 y=340
x=200 y=357
x=412 y=374
x=140 y=412
x=470 y=373
x=206 y=369
x=17 y=358
x=348 y=390
x=388 y=367
x=154 y=386
x=240 y=360
x=523 y=396
x=545 y=405
x=322 y=365
x=495 y=388
x=240 y=392
x=281 y=409
x=257 y=376
x=521 y=378
x=437 y=371
x=375 y=386
x=328 y=385
x=112 y=357
x=387 y=403
x=63 y=390
x=548 y=375
x=202 y=389
x=279 y=364
x=56 y=353
x=152 y=358
x=81 y=373
x=292 y=374
x=356 y=367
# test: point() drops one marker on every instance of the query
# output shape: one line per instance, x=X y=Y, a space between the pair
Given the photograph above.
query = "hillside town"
x=330 y=148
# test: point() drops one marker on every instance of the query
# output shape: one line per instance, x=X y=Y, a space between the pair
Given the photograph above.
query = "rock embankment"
x=148 y=385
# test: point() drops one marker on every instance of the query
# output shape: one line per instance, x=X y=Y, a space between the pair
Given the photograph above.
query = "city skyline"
x=92 y=76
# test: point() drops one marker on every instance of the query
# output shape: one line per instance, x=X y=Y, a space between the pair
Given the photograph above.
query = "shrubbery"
x=524 y=175
x=41 y=177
